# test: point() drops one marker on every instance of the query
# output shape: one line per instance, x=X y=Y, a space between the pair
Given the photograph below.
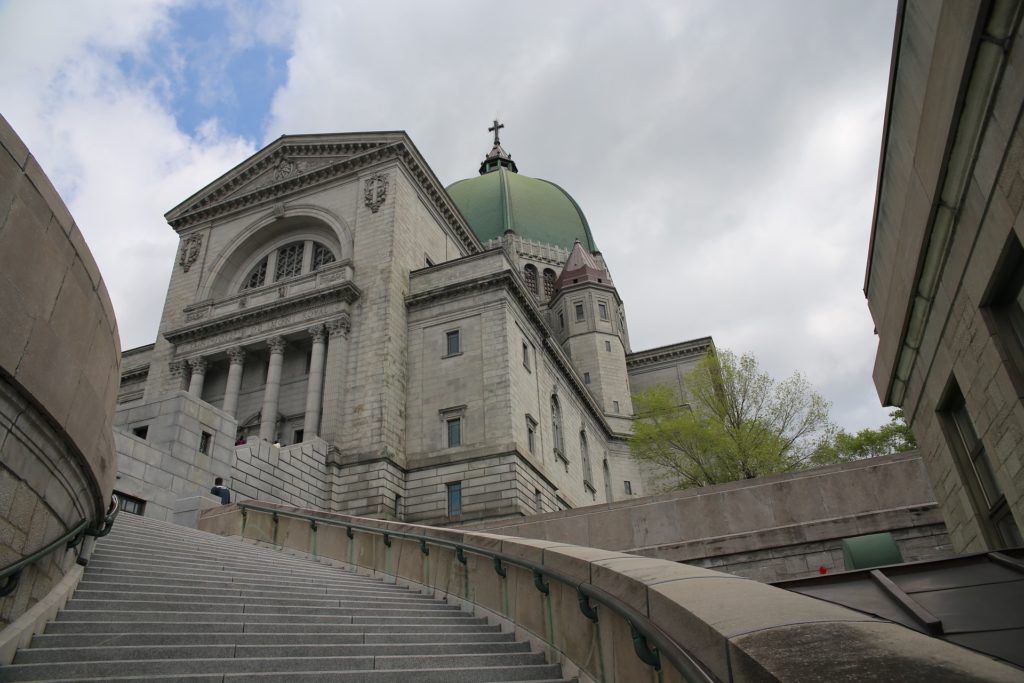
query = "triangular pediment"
x=287 y=164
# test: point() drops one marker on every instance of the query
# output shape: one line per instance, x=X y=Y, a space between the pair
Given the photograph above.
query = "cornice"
x=218 y=202
x=134 y=374
x=670 y=352
x=342 y=292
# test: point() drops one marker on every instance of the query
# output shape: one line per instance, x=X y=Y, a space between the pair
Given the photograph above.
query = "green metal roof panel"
x=872 y=550
x=535 y=209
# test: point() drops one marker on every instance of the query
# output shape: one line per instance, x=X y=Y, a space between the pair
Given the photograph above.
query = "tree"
x=893 y=437
x=740 y=423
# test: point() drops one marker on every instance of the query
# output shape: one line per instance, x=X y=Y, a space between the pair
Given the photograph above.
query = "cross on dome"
x=495 y=128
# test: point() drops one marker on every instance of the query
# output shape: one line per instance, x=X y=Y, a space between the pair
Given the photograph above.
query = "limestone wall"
x=770 y=529
x=59 y=376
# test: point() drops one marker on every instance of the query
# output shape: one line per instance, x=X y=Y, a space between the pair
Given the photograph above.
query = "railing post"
x=387 y=539
x=348 y=532
x=423 y=546
x=460 y=554
x=538 y=582
x=502 y=572
x=588 y=610
x=647 y=654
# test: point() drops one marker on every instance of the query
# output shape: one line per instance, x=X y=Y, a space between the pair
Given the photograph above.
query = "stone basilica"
x=342 y=332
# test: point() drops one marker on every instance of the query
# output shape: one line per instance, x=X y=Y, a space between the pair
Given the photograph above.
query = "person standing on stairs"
x=219 y=489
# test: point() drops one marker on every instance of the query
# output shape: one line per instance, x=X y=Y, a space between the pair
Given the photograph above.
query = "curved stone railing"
x=733 y=629
x=59 y=375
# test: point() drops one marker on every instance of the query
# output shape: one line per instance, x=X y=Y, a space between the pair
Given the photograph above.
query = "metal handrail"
x=645 y=632
x=71 y=538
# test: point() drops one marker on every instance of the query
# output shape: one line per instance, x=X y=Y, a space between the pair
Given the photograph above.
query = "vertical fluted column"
x=236 y=355
x=315 y=389
x=195 y=384
x=331 y=421
x=268 y=416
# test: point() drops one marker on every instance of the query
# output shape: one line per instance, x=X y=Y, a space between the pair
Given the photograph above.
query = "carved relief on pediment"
x=283 y=169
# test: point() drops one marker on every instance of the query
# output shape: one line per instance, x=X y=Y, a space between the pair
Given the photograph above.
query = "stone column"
x=236 y=354
x=331 y=422
x=268 y=416
x=315 y=388
x=198 y=367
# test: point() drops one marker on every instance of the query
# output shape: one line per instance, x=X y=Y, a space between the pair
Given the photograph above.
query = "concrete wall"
x=59 y=376
x=769 y=529
x=956 y=223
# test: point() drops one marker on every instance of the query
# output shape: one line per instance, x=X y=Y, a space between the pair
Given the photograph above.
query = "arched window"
x=530 y=273
x=588 y=476
x=549 y=282
x=556 y=425
x=288 y=261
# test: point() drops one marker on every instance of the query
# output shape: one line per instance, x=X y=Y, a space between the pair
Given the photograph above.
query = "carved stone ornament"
x=286 y=168
x=276 y=344
x=237 y=355
x=375 y=191
x=198 y=365
x=178 y=368
x=318 y=333
x=340 y=325
x=189 y=251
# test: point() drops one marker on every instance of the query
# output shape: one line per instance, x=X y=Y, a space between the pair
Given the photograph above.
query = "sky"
x=725 y=153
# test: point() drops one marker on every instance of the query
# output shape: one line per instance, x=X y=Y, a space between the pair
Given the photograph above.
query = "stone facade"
x=59 y=371
x=944 y=281
x=333 y=315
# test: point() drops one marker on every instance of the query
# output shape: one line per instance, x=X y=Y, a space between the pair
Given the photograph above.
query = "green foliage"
x=740 y=424
x=893 y=437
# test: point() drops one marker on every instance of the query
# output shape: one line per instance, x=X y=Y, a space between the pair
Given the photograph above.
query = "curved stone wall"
x=737 y=629
x=59 y=375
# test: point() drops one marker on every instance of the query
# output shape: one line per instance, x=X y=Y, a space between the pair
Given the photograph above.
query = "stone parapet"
x=734 y=628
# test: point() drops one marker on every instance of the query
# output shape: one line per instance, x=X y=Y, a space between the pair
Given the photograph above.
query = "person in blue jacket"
x=219 y=489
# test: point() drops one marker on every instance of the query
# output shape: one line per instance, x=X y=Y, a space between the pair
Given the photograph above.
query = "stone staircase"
x=160 y=602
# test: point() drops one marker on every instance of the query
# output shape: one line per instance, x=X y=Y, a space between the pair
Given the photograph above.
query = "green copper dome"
x=500 y=199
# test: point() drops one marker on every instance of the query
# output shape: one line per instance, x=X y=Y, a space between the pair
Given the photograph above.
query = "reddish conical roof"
x=581 y=266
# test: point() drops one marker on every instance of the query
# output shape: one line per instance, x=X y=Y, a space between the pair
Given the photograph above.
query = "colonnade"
x=329 y=349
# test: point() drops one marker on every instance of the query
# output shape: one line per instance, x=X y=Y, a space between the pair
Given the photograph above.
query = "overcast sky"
x=725 y=153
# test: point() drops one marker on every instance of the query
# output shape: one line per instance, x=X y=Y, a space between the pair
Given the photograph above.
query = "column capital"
x=197 y=365
x=340 y=325
x=178 y=368
x=318 y=333
x=237 y=355
x=276 y=344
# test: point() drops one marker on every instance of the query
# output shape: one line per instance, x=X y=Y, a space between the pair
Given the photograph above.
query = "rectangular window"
x=204 y=442
x=298 y=435
x=453 y=345
x=629 y=488
x=531 y=433
x=607 y=346
x=580 y=316
x=454 y=430
x=398 y=506
x=602 y=310
x=141 y=432
x=526 y=355
x=1003 y=309
x=976 y=472
x=454 y=499
x=538 y=502
x=615 y=406
x=586 y=378
x=131 y=504
x=561 y=320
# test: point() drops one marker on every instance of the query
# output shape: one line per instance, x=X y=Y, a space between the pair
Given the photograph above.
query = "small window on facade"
x=257 y=276
x=453 y=429
x=530 y=275
x=580 y=316
x=549 y=282
x=586 y=378
x=588 y=475
x=561 y=320
x=453 y=344
x=602 y=310
x=976 y=472
x=628 y=487
x=141 y=432
x=131 y=504
x=538 y=501
x=531 y=433
x=289 y=260
x=298 y=435
x=309 y=360
x=321 y=256
x=204 y=442
x=398 y=506
x=556 y=424
x=607 y=345
x=454 y=498
x=1004 y=308
x=615 y=406
x=526 y=355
